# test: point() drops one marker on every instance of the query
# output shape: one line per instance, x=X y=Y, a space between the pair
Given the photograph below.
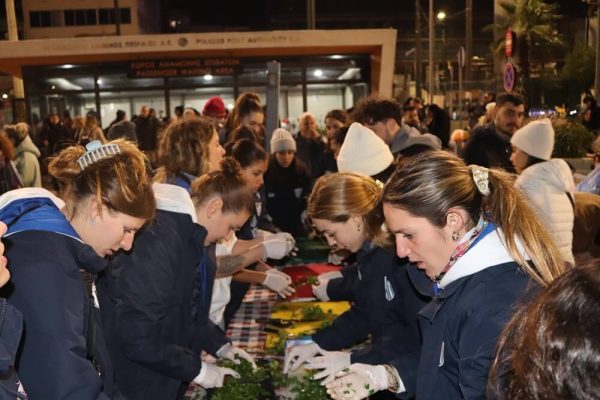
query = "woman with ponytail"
x=163 y=289
x=475 y=237
x=56 y=247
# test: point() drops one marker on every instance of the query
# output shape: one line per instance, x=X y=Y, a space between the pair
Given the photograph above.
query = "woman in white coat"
x=547 y=182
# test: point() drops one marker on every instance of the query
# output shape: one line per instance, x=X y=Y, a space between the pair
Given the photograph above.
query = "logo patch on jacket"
x=441 y=363
x=389 y=290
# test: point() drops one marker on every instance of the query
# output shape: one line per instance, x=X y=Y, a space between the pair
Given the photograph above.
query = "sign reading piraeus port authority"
x=182 y=67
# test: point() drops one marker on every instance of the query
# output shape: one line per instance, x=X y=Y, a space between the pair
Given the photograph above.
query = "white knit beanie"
x=536 y=139
x=364 y=152
x=282 y=140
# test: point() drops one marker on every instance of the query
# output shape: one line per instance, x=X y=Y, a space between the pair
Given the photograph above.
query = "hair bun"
x=230 y=167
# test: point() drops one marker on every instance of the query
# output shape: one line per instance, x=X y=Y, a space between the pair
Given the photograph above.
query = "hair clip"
x=97 y=151
x=480 y=177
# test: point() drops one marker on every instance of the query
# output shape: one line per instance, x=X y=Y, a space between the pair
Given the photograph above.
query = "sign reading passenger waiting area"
x=182 y=67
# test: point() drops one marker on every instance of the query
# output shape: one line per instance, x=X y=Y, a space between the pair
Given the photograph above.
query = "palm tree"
x=532 y=22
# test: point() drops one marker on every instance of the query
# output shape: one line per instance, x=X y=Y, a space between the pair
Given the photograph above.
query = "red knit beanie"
x=215 y=108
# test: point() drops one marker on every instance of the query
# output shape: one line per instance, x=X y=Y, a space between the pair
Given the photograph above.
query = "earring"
x=455 y=236
x=358 y=228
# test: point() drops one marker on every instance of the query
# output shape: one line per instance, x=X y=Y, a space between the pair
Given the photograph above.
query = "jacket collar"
x=175 y=199
x=489 y=251
x=431 y=309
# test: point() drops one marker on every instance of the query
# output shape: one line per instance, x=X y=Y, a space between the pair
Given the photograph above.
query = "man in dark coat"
x=489 y=146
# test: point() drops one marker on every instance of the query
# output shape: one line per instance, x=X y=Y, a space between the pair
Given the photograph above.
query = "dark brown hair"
x=227 y=184
x=551 y=348
x=120 y=182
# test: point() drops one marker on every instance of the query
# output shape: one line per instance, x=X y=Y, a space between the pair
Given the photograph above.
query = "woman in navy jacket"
x=163 y=289
x=343 y=207
x=107 y=198
x=482 y=247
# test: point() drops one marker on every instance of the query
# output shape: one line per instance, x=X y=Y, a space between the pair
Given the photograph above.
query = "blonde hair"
x=427 y=185
x=119 y=182
x=184 y=147
x=338 y=197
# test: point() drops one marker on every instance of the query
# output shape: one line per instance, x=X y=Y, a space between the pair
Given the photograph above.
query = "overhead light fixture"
x=337 y=57
x=318 y=73
x=208 y=77
x=63 y=84
x=441 y=16
x=4 y=96
x=67 y=66
x=99 y=81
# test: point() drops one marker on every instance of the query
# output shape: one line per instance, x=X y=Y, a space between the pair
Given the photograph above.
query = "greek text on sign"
x=182 y=67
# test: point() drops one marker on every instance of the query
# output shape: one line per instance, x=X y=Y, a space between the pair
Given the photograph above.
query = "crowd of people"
x=458 y=253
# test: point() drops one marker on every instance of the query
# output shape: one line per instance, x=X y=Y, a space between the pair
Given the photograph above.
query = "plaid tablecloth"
x=243 y=329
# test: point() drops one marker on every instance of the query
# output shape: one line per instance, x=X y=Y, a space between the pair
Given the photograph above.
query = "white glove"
x=337 y=257
x=278 y=282
x=277 y=247
x=330 y=362
x=211 y=376
x=359 y=382
x=297 y=355
x=280 y=273
x=230 y=352
x=320 y=290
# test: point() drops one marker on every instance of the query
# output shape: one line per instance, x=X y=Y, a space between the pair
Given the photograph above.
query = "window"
x=80 y=17
x=106 y=16
x=39 y=19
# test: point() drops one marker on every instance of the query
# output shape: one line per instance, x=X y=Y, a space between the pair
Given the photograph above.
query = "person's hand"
x=233 y=353
x=211 y=376
x=331 y=362
x=297 y=355
x=320 y=289
x=278 y=282
x=277 y=245
x=358 y=382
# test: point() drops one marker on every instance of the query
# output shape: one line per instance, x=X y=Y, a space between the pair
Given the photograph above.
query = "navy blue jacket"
x=386 y=307
x=46 y=256
x=160 y=323
x=460 y=328
x=11 y=327
x=344 y=288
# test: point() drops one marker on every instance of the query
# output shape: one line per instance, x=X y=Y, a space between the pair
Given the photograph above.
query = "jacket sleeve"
x=209 y=337
x=347 y=329
x=145 y=290
x=344 y=288
x=53 y=362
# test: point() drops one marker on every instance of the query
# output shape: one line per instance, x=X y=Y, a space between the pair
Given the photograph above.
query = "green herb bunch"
x=250 y=384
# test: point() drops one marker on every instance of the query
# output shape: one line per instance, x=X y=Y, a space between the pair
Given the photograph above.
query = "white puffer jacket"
x=546 y=184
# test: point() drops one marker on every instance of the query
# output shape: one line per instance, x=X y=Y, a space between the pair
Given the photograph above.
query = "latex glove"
x=337 y=257
x=232 y=353
x=278 y=283
x=320 y=290
x=277 y=247
x=297 y=355
x=358 y=382
x=331 y=362
x=211 y=376
x=280 y=273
